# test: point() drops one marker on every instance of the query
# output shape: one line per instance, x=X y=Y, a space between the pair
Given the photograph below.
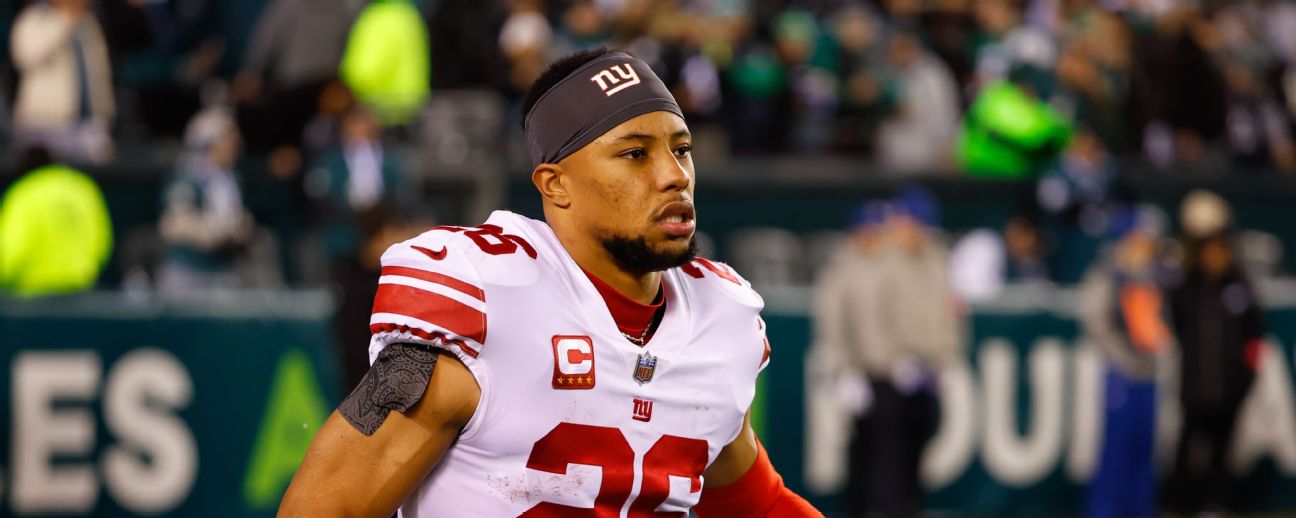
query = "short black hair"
x=556 y=72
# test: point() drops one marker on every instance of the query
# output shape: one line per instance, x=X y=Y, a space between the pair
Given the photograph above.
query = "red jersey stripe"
x=433 y=308
x=431 y=337
x=437 y=278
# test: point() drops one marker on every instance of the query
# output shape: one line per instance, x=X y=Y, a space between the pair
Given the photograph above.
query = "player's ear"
x=549 y=179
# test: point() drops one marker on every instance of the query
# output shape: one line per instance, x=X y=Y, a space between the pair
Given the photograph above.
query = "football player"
x=584 y=365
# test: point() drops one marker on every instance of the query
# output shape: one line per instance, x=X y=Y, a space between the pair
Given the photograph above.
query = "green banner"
x=1022 y=419
x=121 y=407
x=116 y=407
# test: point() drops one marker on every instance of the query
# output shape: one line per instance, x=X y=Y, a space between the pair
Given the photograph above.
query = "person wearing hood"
x=1122 y=310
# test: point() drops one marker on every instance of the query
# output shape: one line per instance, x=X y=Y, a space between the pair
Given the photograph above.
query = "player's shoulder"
x=727 y=300
x=436 y=250
x=499 y=251
x=718 y=282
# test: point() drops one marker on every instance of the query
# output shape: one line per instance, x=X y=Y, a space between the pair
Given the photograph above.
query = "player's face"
x=633 y=187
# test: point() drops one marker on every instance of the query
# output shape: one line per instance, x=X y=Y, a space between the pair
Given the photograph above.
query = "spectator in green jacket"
x=1009 y=132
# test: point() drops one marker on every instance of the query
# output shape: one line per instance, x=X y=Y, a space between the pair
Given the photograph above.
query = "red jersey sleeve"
x=430 y=293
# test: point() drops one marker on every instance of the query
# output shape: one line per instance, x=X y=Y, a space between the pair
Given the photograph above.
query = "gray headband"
x=598 y=96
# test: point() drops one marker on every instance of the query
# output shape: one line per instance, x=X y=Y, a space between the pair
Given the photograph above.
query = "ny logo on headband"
x=624 y=77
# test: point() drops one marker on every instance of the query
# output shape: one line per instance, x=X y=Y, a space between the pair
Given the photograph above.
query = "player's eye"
x=684 y=150
x=635 y=154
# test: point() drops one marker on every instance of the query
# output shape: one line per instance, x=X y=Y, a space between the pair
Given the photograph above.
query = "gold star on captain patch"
x=562 y=381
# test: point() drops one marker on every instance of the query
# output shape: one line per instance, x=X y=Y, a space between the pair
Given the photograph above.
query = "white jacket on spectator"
x=49 y=90
x=920 y=136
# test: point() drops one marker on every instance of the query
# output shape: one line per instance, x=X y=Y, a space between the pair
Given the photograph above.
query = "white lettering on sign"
x=1065 y=420
x=955 y=443
x=40 y=379
x=1267 y=424
x=1087 y=366
x=1013 y=459
x=152 y=463
x=162 y=483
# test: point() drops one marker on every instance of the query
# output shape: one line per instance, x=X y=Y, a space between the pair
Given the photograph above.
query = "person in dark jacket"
x=361 y=196
x=1218 y=323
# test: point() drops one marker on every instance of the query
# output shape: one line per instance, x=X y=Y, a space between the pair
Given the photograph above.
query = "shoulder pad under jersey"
x=707 y=275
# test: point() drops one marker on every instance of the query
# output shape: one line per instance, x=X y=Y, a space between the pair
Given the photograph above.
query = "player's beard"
x=635 y=256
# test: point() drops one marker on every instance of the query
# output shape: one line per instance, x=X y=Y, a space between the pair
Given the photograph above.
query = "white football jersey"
x=574 y=419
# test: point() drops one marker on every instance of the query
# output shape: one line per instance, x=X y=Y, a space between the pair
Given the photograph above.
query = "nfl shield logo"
x=643 y=372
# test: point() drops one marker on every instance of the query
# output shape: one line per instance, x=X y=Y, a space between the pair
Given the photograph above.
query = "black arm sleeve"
x=396 y=381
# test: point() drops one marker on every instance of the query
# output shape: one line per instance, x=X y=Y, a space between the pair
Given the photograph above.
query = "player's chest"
x=560 y=364
x=583 y=375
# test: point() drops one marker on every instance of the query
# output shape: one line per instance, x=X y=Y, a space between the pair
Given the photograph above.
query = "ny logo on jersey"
x=573 y=362
x=642 y=410
x=616 y=78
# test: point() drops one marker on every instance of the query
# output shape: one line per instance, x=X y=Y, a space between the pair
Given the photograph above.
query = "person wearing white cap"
x=204 y=222
x=1219 y=325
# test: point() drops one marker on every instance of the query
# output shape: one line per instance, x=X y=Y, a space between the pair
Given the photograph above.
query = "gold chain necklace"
x=641 y=339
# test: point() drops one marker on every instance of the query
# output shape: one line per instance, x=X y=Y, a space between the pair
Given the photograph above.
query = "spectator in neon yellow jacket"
x=55 y=233
x=386 y=60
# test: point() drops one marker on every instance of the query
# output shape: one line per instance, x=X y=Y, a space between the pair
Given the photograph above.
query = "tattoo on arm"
x=396 y=381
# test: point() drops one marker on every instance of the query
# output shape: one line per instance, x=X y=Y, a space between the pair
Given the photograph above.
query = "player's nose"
x=670 y=173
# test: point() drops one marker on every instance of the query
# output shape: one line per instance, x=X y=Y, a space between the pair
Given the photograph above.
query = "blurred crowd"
x=991 y=87
x=308 y=94
x=1076 y=91
x=302 y=91
x=891 y=313
x=323 y=98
